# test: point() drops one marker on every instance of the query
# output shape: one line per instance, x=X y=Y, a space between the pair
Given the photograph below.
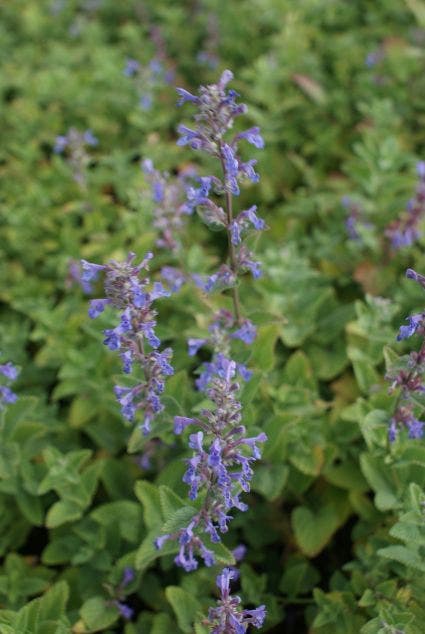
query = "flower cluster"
x=148 y=79
x=222 y=331
x=133 y=295
x=228 y=615
x=220 y=468
x=169 y=197
x=409 y=379
x=405 y=230
x=217 y=110
x=74 y=146
x=10 y=373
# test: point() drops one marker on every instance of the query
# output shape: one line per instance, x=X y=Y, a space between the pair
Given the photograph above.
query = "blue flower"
x=253 y=136
x=415 y=322
x=97 y=306
x=90 y=271
x=186 y=96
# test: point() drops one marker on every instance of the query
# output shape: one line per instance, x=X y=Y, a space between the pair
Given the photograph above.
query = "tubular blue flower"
x=246 y=333
x=253 y=136
x=90 y=271
x=186 y=96
x=9 y=371
x=125 y=610
x=415 y=322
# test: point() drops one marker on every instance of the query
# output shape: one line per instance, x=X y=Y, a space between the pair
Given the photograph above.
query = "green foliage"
x=335 y=530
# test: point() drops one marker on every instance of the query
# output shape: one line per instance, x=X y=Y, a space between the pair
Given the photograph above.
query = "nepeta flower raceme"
x=220 y=468
x=405 y=230
x=217 y=110
x=169 y=197
x=228 y=617
x=409 y=379
x=74 y=146
x=9 y=373
x=132 y=293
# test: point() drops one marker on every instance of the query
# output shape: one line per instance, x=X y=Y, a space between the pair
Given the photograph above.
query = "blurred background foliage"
x=336 y=529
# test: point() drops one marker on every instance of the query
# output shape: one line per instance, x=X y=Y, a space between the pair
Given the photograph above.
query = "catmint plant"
x=73 y=146
x=129 y=290
x=408 y=378
x=406 y=229
x=220 y=468
x=8 y=373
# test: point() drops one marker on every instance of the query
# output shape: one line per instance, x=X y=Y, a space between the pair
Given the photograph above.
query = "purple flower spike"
x=132 y=294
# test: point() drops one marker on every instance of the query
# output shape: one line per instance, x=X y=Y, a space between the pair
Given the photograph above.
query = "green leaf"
x=314 y=530
x=148 y=494
x=185 y=607
x=169 y=501
x=377 y=476
x=404 y=555
x=97 y=614
x=263 y=357
x=62 y=512
x=178 y=519
x=270 y=480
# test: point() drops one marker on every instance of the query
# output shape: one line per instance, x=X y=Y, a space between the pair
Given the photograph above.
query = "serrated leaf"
x=148 y=494
x=404 y=555
x=179 y=519
x=185 y=607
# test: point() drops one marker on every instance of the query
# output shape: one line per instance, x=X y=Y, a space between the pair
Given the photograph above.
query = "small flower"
x=253 y=136
x=415 y=322
x=9 y=371
x=186 y=96
x=97 y=306
x=125 y=610
x=90 y=271
x=246 y=333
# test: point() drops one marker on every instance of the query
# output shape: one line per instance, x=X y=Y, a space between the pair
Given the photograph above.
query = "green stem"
x=231 y=246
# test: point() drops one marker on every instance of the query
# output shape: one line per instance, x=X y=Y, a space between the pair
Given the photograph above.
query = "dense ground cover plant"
x=93 y=167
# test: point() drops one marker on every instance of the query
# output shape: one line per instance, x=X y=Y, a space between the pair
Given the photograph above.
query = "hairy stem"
x=232 y=252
